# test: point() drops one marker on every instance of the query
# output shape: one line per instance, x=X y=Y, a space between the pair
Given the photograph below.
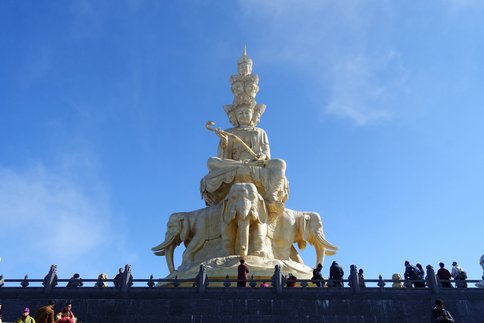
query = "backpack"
x=414 y=272
x=462 y=275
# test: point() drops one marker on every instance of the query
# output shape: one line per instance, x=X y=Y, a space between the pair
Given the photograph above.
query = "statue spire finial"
x=245 y=50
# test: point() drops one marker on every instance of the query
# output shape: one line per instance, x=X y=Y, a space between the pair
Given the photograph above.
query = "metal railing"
x=202 y=282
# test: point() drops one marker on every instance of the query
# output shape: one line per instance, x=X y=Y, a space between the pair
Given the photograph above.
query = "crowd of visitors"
x=46 y=314
x=414 y=276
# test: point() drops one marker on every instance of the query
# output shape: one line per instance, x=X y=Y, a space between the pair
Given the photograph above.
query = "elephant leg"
x=294 y=255
x=258 y=235
x=192 y=248
x=285 y=250
x=229 y=234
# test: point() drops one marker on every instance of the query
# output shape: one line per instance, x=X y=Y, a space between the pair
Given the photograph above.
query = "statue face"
x=237 y=88
x=251 y=89
x=245 y=68
x=244 y=115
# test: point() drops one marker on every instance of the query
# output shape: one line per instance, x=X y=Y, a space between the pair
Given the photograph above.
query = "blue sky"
x=376 y=106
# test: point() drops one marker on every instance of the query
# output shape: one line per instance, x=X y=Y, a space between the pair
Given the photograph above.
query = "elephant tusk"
x=168 y=241
x=325 y=243
x=169 y=258
x=319 y=255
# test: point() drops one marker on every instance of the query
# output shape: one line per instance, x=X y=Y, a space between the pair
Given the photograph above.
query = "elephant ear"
x=185 y=228
x=228 y=212
x=261 y=208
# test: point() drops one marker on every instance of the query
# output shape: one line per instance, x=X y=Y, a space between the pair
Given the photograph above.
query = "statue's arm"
x=265 y=152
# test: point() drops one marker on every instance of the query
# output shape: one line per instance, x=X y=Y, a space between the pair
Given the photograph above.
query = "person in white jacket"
x=459 y=275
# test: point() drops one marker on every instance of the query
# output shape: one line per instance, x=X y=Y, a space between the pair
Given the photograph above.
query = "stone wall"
x=227 y=305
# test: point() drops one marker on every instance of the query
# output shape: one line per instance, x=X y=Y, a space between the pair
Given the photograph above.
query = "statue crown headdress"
x=244 y=58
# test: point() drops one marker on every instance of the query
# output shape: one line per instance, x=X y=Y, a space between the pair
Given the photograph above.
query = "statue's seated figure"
x=235 y=163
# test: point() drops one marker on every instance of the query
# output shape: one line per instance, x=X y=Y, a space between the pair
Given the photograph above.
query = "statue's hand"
x=261 y=156
x=259 y=163
x=223 y=139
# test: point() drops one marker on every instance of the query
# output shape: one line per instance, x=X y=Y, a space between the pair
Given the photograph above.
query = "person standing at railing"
x=101 y=280
x=420 y=276
x=361 y=278
x=117 y=278
x=242 y=272
x=25 y=317
x=336 y=274
x=444 y=276
x=317 y=278
x=291 y=280
x=411 y=274
x=459 y=275
x=46 y=313
x=75 y=281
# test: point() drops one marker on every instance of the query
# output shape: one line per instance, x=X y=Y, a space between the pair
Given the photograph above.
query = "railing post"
x=277 y=279
x=381 y=282
x=202 y=279
x=50 y=280
x=354 y=279
x=25 y=282
x=434 y=285
x=126 y=279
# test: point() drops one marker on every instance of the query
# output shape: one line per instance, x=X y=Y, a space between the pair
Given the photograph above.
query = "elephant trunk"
x=243 y=208
x=244 y=239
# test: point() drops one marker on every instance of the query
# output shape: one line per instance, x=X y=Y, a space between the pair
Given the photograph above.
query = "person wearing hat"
x=25 y=317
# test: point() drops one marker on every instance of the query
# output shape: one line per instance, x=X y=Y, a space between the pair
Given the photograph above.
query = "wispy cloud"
x=51 y=216
x=362 y=87
x=330 y=43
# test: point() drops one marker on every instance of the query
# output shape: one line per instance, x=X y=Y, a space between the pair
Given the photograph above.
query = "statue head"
x=237 y=88
x=249 y=109
x=244 y=114
x=251 y=88
x=244 y=64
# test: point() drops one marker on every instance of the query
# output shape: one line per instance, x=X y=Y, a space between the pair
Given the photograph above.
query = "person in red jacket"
x=444 y=275
x=66 y=316
x=242 y=272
